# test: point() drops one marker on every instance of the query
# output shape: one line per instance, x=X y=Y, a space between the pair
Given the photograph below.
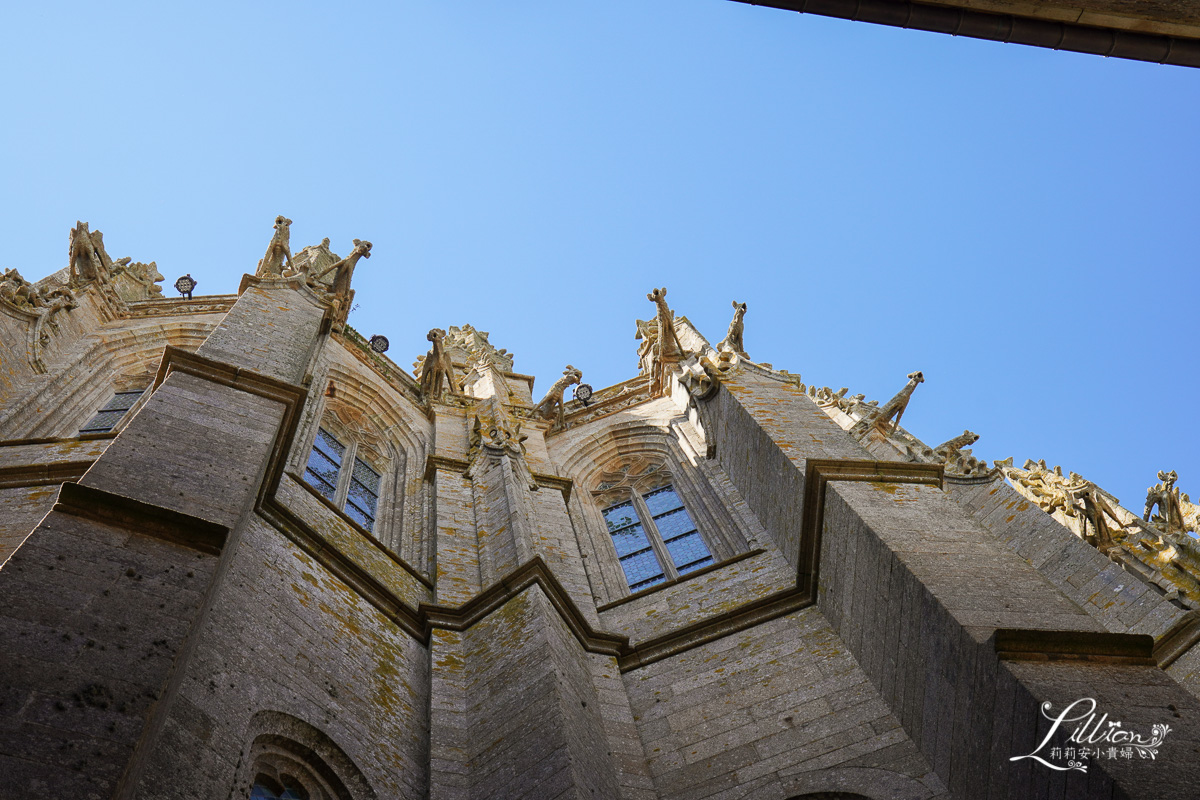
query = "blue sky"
x=1018 y=223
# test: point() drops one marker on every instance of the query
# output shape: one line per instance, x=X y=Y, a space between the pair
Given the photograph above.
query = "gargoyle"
x=344 y=269
x=733 y=337
x=893 y=410
x=436 y=367
x=279 y=251
x=89 y=261
x=552 y=405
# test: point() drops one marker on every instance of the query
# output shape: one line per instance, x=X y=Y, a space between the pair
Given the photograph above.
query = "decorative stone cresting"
x=1168 y=558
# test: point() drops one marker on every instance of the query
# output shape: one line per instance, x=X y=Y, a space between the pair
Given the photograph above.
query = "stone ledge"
x=133 y=515
x=1013 y=644
x=43 y=474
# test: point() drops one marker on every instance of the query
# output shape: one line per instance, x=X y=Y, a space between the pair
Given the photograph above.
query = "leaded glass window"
x=679 y=534
x=364 y=494
x=324 y=463
x=348 y=482
x=634 y=550
x=113 y=411
x=655 y=538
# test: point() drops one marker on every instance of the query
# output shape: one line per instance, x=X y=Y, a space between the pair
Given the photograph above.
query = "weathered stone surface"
x=202 y=608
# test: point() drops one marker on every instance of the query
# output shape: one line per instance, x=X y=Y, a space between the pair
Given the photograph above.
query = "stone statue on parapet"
x=553 y=405
x=344 y=269
x=88 y=259
x=437 y=366
x=1176 y=514
x=733 y=337
x=669 y=348
x=1094 y=513
x=660 y=350
x=134 y=280
x=279 y=251
x=893 y=409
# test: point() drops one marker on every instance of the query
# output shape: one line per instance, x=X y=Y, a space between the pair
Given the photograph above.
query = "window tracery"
x=654 y=535
x=336 y=470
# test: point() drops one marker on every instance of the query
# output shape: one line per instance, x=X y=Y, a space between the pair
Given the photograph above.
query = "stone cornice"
x=130 y=514
x=182 y=306
x=460 y=466
x=1013 y=644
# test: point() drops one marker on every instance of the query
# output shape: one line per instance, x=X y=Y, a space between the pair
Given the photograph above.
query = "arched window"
x=295 y=761
x=351 y=483
x=655 y=537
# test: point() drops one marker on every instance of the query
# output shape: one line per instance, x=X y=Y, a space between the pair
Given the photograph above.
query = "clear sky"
x=1018 y=223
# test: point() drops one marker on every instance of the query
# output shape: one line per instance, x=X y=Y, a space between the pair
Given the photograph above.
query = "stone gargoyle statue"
x=279 y=250
x=553 y=405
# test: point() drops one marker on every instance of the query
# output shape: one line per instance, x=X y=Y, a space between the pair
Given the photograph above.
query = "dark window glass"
x=323 y=463
x=364 y=494
x=107 y=417
x=263 y=792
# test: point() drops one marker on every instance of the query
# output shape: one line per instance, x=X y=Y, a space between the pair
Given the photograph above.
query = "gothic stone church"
x=245 y=554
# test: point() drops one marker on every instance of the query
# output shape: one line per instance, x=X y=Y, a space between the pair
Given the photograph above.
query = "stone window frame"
x=349 y=458
x=381 y=455
x=642 y=477
x=141 y=381
x=713 y=503
x=284 y=749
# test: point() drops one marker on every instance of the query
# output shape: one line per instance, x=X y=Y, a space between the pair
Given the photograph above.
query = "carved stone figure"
x=279 y=251
x=552 y=405
x=953 y=447
x=344 y=269
x=494 y=434
x=136 y=281
x=88 y=259
x=733 y=337
x=19 y=292
x=893 y=409
x=437 y=366
x=1094 y=512
x=669 y=348
x=1165 y=495
x=660 y=350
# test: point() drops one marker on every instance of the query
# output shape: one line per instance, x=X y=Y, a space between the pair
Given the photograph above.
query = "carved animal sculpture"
x=279 y=250
x=669 y=348
x=953 y=446
x=895 y=407
x=552 y=405
x=437 y=366
x=345 y=269
x=86 y=264
x=733 y=337
x=1166 y=497
x=1094 y=513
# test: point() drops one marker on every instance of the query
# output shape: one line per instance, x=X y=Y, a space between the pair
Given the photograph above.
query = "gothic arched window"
x=654 y=536
x=349 y=482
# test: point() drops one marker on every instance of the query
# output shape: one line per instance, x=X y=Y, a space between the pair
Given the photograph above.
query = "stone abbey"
x=245 y=554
